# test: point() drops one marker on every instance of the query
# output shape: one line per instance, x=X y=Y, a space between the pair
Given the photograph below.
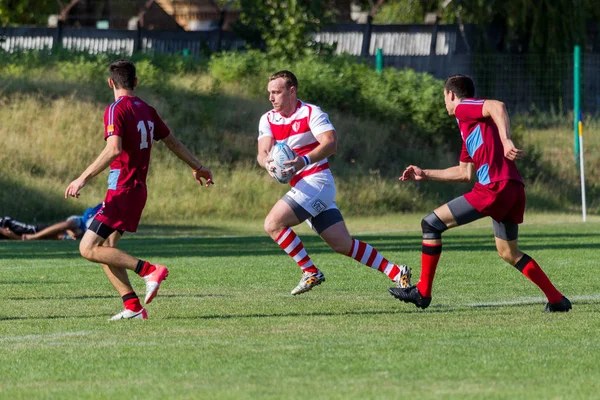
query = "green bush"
x=384 y=123
x=409 y=100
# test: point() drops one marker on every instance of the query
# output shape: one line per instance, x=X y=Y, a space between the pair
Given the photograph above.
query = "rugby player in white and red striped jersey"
x=307 y=130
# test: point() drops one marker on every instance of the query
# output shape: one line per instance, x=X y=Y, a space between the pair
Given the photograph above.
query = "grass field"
x=225 y=326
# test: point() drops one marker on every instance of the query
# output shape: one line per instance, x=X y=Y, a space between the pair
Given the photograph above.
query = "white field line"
x=55 y=335
x=528 y=300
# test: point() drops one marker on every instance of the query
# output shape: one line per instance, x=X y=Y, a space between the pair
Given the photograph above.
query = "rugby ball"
x=281 y=153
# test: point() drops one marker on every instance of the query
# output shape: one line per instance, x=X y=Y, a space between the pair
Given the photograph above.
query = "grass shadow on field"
x=49 y=317
x=89 y=297
x=404 y=309
x=21 y=203
x=247 y=246
x=300 y=314
x=179 y=231
x=243 y=316
x=34 y=282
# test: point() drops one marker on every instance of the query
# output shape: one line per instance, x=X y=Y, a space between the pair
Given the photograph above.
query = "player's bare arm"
x=326 y=148
x=264 y=147
x=184 y=154
x=497 y=111
x=463 y=172
x=111 y=151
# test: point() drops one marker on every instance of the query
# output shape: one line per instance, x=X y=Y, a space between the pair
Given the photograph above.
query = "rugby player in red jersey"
x=307 y=130
x=489 y=153
x=130 y=125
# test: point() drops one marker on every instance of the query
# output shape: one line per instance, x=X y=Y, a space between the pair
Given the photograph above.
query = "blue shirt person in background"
x=71 y=229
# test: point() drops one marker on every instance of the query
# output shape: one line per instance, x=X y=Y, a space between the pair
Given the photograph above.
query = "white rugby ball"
x=281 y=153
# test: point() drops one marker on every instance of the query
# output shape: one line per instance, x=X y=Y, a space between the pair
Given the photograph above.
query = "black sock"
x=128 y=296
x=139 y=267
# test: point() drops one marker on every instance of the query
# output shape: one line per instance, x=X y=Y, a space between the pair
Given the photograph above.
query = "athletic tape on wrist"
x=306 y=160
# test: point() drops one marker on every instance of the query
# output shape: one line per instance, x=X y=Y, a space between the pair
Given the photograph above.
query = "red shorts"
x=122 y=208
x=503 y=200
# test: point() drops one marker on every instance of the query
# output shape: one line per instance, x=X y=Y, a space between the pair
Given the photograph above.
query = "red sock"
x=132 y=302
x=429 y=260
x=144 y=268
x=535 y=274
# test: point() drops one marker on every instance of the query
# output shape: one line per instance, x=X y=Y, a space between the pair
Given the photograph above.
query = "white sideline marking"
x=40 y=337
x=528 y=300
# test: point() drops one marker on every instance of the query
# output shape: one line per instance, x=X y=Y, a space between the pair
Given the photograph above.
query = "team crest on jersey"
x=110 y=128
x=296 y=126
x=318 y=205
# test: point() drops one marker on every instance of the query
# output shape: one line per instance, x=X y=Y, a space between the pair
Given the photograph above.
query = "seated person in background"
x=73 y=228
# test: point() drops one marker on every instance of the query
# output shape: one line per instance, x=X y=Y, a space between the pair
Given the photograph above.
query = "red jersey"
x=482 y=144
x=137 y=124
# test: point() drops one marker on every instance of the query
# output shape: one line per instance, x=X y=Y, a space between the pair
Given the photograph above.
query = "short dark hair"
x=462 y=86
x=122 y=72
x=289 y=78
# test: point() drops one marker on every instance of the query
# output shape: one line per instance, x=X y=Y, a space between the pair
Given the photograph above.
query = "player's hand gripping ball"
x=281 y=153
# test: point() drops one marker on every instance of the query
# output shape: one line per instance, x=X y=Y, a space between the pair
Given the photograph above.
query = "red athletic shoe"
x=153 y=281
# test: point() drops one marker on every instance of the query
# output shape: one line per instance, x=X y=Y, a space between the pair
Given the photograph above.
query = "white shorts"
x=315 y=193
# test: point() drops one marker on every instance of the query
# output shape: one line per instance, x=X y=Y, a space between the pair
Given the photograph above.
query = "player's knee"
x=509 y=256
x=85 y=250
x=272 y=227
x=268 y=226
x=432 y=227
x=88 y=251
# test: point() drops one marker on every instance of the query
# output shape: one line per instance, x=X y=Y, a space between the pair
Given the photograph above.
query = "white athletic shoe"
x=402 y=280
x=308 y=281
x=153 y=281
x=128 y=314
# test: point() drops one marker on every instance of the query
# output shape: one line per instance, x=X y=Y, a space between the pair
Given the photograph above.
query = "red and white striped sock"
x=366 y=254
x=292 y=245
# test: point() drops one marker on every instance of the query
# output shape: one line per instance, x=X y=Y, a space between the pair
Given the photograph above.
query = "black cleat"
x=411 y=295
x=562 y=306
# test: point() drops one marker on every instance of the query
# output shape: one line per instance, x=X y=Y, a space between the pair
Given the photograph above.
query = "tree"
x=537 y=26
x=283 y=26
x=26 y=12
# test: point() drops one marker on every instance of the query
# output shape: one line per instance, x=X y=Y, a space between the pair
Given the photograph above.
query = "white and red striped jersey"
x=299 y=131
